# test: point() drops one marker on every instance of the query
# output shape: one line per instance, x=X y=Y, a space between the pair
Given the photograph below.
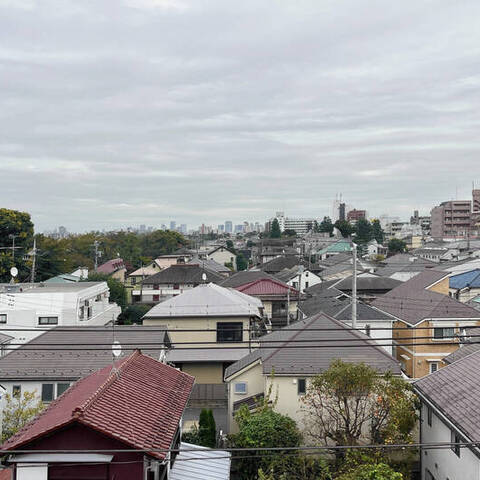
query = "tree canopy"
x=15 y=227
x=326 y=226
x=345 y=228
x=395 y=245
x=347 y=398
x=275 y=231
x=377 y=231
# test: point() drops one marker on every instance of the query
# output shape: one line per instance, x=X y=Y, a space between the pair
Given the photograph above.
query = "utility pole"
x=95 y=244
x=13 y=236
x=354 y=287
x=34 y=253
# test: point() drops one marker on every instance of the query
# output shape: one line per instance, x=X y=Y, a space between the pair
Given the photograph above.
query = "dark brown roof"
x=455 y=391
x=280 y=263
x=36 y=361
x=311 y=351
x=184 y=273
x=244 y=277
x=413 y=303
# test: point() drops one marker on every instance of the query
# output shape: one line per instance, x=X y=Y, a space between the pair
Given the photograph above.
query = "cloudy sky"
x=128 y=112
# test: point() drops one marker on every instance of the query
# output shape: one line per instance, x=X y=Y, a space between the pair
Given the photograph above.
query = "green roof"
x=337 y=247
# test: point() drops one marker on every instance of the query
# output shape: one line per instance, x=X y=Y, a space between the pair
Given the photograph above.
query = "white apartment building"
x=27 y=309
x=300 y=225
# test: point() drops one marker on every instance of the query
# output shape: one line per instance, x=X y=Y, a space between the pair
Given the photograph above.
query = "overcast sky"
x=128 y=112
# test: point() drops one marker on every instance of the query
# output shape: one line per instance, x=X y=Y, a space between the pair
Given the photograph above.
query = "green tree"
x=378 y=233
x=118 y=293
x=364 y=231
x=133 y=314
x=395 y=245
x=345 y=228
x=275 y=229
x=326 y=226
x=376 y=471
x=52 y=257
x=18 y=411
x=263 y=428
x=207 y=432
x=14 y=226
x=230 y=246
x=241 y=263
x=347 y=400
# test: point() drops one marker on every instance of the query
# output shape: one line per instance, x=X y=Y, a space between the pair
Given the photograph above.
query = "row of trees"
x=56 y=256
x=345 y=405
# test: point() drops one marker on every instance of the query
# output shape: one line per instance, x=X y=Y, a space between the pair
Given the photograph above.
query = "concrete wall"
x=204 y=372
x=444 y=463
x=223 y=256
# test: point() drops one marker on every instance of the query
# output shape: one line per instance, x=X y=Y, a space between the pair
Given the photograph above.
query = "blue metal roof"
x=468 y=279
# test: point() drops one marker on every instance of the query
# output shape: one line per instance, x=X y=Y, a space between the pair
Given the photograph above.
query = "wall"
x=197 y=323
x=204 y=372
x=255 y=385
x=79 y=437
x=443 y=286
x=223 y=256
x=444 y=463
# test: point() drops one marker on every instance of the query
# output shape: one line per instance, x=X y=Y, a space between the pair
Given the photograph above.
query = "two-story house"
x=295 y=354
x=28 y=309
x=465 y=286
x=126 y=410
x=428 y=321
x=173 y=281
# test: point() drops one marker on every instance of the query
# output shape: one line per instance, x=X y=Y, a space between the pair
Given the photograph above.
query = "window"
x=89 y=313
x=133 y=280
x=17 y=391
x=3 y=318
x=443 y=333
x=301 y=386
x=429 y=416
x=229 y=331
x=156 y=298
x=81 y=313
x=367 y=330
x=47 y=392
x=241 y=388
x=433 y=367
x=455 y=438
x=61 y=387
x=306 y=284
x=47 y=320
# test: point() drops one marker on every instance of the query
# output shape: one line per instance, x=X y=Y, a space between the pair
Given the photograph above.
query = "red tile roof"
x=141 y=405
x=266 y=286
x=111 y=266
x=6 y=474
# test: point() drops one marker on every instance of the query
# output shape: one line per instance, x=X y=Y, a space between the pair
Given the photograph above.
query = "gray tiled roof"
x=473 y=345
x=455 y=391
x=311 y=351
x=35 y=359
x=184 y=273
x=244 y=277
x=370 y=282
x=341 y=309
x=280 y=263
x=412 y=302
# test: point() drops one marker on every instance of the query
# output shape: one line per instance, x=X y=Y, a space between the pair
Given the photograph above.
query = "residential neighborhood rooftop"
x=98 y=401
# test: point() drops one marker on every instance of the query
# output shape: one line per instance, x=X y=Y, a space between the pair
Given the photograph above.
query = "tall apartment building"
x=451 y=219
x=228 y=226
x=300 y=225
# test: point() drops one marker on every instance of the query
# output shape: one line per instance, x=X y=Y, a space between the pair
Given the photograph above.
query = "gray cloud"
x=117 y=113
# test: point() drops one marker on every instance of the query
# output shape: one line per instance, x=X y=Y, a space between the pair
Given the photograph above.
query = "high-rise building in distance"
x=228 y=226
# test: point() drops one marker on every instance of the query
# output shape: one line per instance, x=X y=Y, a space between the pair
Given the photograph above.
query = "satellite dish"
x=204 y=276
x=14 y=271
x=116 y=348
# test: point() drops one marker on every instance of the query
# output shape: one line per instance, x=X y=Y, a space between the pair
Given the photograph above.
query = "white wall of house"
x=385 y=331
x=307 y=279
x=223 y=256
x=444 y=463
x=72 y=307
